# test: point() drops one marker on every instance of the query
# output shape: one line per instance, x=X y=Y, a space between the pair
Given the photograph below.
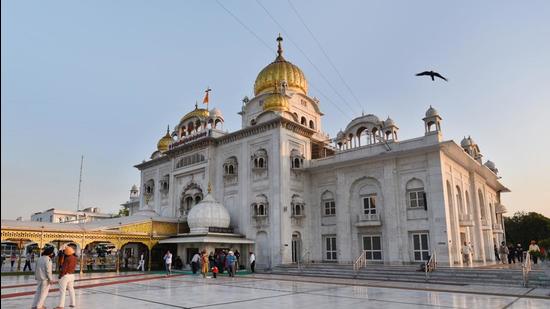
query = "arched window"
x=459 y=203
x=303 y=121
x=296 y=159
x=230 y=166
x=311 y=124
x=416 y=196
x=297 y=206
x=467 y=198
x=481 y=204
x=327 y=203
x=260 y=207
x=191 y=195
x=260 y=159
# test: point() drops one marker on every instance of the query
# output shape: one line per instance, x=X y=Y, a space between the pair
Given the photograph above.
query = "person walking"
x=27 y=262
x=496 y=252
x=511 y=254
x=503 y=252
x=168 y=262
x=519 y=253
x=204 y=264
x=60 y=258
x=195 y=263
x=44 y=277
x=534 y=251
x=230 y=263
x=13 y=258
x=252 y=259
x=211 y=259
x=466 y=252
x=141 y=263
x=237 y=263
x=66 y=277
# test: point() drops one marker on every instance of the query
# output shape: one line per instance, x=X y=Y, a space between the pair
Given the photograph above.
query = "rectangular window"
x=330 y=208
x=369 y=205
x=421 y=249
x=373 y=247
x=330 y=248
x=417 y=199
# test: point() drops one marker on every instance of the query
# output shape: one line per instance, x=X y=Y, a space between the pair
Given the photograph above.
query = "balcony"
x=466 y=220
x=368 y=220
x=497 y=228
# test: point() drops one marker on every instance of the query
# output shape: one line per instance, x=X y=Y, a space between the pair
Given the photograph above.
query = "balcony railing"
x=369 y=217
x=368 y=220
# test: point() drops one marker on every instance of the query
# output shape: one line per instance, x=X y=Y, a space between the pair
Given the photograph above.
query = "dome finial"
x=168 y=130
x=279 y=46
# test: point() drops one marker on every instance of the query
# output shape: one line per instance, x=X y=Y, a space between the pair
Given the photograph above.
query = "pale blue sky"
x=104 y=78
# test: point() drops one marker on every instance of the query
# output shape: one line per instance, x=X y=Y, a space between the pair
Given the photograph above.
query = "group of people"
x=508 y=254
x=215 y=263
x=44 y=277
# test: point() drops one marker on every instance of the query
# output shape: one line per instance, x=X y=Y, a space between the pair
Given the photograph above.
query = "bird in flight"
x=431 y=74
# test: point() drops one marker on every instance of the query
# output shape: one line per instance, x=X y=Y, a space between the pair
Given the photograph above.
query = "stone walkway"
x=154 y=290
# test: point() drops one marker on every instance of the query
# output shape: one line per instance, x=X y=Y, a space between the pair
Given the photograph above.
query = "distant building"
x=67 y=216
x=133 y=203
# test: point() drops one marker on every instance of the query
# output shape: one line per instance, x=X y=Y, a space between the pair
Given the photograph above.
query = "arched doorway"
x=296 y=247
x=131 y=253
x=263 y=254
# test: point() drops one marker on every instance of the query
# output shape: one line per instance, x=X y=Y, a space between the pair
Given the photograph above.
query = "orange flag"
x=205 y=101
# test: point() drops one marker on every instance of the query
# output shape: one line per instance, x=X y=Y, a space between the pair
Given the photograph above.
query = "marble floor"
x=154 y=290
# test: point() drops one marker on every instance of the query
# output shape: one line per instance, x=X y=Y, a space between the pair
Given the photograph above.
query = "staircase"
x=409 y=273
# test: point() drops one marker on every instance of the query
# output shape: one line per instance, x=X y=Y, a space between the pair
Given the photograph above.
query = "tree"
x=524 y=227
x=123 y=212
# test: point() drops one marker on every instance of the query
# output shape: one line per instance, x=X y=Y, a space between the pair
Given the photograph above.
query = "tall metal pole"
x=79 y=184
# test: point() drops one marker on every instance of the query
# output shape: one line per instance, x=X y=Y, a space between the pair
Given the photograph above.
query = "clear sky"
x=104 y=78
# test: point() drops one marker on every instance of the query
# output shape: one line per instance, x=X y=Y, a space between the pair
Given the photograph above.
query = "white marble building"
x=298 y=194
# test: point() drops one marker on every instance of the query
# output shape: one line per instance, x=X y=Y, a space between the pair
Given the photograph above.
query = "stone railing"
x=369 y=217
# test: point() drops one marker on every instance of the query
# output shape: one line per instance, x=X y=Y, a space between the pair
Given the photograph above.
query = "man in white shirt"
x=141 y=263
x=195 y=263
x=252 y=259
x=168 y=262
x=534 y=251
x=44 y=277
x=466 y=251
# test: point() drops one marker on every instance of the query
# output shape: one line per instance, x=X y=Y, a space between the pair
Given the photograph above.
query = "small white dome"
x=431 y=112
x=466 y=142
x=340 y=135
x=134 y=188
x=389 y=122
x=490 y=164
x=207 y=213
x=216 y=113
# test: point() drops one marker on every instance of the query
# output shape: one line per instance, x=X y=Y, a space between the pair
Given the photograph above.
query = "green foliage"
x=524 y=227
x=123 y=212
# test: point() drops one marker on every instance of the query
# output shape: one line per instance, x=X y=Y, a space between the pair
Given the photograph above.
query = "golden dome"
x=276 y=102
x=164 y=143
x=197 y=112
x=278 y=71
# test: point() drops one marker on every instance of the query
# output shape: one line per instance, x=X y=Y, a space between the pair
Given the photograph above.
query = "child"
x=215 y=271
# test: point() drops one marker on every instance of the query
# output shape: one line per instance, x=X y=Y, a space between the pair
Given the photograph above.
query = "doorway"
x=296 y=247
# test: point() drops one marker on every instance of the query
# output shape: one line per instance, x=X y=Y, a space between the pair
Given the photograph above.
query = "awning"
x=207 y=239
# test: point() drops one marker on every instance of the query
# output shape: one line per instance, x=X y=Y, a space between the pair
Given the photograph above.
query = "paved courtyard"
x=154 y=290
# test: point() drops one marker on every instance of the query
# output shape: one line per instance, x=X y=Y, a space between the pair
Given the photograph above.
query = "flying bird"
x=431 y=74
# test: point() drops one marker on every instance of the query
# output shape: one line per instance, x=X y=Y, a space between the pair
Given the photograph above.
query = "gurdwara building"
x=293 y=193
